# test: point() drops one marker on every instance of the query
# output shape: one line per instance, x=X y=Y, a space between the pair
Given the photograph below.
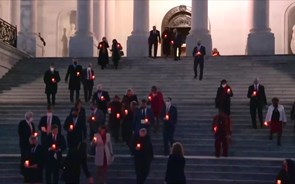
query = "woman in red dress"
x=156 y=100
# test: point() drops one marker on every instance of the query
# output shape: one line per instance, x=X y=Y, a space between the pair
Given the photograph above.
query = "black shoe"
x=200 y=78
x=195 y=77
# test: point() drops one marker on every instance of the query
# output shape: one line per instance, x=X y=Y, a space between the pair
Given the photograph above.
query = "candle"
x=265 y=123
x=27 y=163
x=167 y=117
x=53 y=146
x=150 y=98
x=228 y=90
x=78 y=74
x=279 y=181
x=118 y=115
x=254 y=93
x=93 y=77
x=109 y=110
x=100 y=45
x=215 y=54
x=126 y=111
x=138 y=146
x=94 y=139
x=146 y=120
x=35 y=134
x=172 y=42
x=118 y=45
x=165 y=36
x=71 y=127
x=102 y=98
x=93 y=118
x=199 y=53
x=215 y=129
x=53 y=80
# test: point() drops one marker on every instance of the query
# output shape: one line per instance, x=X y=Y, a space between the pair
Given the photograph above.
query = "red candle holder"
x=118 y=115
x=78 y=74
x=93 y=118
x=71 y=127
x=138 y=146
x=53 y=80
x=53 y=146
x=93 y=77
x=102 y=98
x=265 y=123
x=27 y=163
x=109 y=110
x=167 y=117
x=126 y=112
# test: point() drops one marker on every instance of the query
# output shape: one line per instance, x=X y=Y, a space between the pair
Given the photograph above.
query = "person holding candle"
x=103 y=55
x=215 y=52
x=166 y=40
x=51 y=78
x=169 y=117
x=175 y=165
x=292 y=115
x=26 y=128
x=101 y=98
x=95 y=120
x=143 y=118
x=116 y=53
x=287 y=173
x=176 y=42
x=127 y=121
x=153 y=40
x=157 y=102
x=221 y=128
x=34 y=162
x=256 y=93
x=115 y=117
x=223 y=95
x=74 y=72
x=142 y=150
x=275 y=118
x=56 y=144
x=104 y=155
x=128 y=98
x=198 y=53
x=88 y=78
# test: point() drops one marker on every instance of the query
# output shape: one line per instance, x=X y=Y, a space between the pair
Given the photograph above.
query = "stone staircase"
x=253 y=159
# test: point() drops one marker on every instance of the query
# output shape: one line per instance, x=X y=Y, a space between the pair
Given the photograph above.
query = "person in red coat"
x=157 y=102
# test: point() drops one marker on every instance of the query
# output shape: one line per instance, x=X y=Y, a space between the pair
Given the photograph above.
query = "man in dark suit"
x=198 y=53
x=75 y=127
x=95 y=120
x=223 y=95
x=101 y=99
x=46 y=123
x=177 y=42
x=75 y=73
x=154 y=39
x=166 y=41
x=88 y=78
x=115 y=116
x=256 y=93
x=169 y=117
x=51 y=78
x=56 y=144
x=143 y=118
x=26 y=128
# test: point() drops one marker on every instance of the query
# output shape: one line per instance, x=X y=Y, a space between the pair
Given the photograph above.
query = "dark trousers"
x=166 y=48
x=142 y=172
x=87 y=91
x=126 y=131
x=24 y=151
x=177 y=57
x=52 y=173
x=196 y=63
x=155 y=49
x=279 y=137
x=115 y=129
x=72 y=94
x=221 y=142
x=168 y=137
x=253 y=109
x=49 y=99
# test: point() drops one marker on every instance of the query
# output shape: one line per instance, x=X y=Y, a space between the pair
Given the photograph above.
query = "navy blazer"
x=75 y=79
x=138 y=116
x=43 y=123
x=260 y=97
x=51 y=86
x=24 y=133
x=202 y=50
x=101 y=104
x=172 y=113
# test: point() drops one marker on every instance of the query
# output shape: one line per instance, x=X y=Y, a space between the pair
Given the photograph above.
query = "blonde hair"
x=177 y=149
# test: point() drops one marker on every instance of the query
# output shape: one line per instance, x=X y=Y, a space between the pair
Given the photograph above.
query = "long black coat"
x=75 y=73
x=51 y=79
x=260 y=98
x=43 y=123
x=60 y=147
x=102 y=104
x=202 y=50
x=24 y=133
x=222 y=100
x=175 y=170
x=103 y=56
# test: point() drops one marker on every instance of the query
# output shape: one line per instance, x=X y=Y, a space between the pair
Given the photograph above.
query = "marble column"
x=27 y=35
x=137 y=43
x=261 y=40
x=14 y=12
x=199 y=27
x=110 y=19
x=99 y=19
x=81 y=45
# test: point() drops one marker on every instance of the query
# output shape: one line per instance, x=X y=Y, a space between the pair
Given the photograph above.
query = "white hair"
x=28 y=115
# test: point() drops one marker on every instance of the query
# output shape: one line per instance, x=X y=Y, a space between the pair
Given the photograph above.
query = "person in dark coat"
x=169 y=117
x=115 y=116
x=51 y=78
x=75 y=73
x=128 y=98
x=256 y=93
x=166 y=41
x=292 y=115
x=116 y=53
x=34 y=162
x=153 y=40
x=46 y=123
x=198 y=53
x=287 y=173
x=142 y=150
x=95 y=120
x=127 y=122
x=55 y=145
x=101 y=99
x=75 y=127
x=223 y=95
x=103 y=56
x=143 y=118
x=76 y=158
x=26 y=128
x=88 y=78
x=175 y=165
x=177 y=42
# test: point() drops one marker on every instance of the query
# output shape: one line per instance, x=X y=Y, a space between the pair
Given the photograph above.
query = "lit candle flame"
x=78 y=74
x=71 y=127
x=167 y=117
x=53 y=146
x=102 y=98
x=53 y=80
x=27 y=163
x=138 y=146
x=109 y=110
x=279 y=181
x=118 y=115
x=265 y=123
x=94 y=139
x=93 y=118
x=126 y=111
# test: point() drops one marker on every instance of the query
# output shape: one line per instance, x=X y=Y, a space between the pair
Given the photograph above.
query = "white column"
x=199 y=27
x=110 y=21
x=15 y=12
x=261 y=40
x=27 y=35
x=99 y=19
x=81 y=45
x=137 y=43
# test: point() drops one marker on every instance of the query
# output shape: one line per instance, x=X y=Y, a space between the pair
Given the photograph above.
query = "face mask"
x=51 y=69
x=223 y=85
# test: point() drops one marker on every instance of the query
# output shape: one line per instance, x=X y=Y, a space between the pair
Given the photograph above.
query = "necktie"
x=88 y=74
x=48 y=124
x=143 y=112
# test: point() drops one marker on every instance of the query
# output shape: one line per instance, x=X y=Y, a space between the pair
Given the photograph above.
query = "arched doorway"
x=180 y=18
x=290 y=30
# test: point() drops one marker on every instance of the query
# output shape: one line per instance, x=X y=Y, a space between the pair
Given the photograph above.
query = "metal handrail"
x=8 y=33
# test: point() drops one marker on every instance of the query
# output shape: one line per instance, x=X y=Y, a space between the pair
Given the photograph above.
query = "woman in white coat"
x=104 y=153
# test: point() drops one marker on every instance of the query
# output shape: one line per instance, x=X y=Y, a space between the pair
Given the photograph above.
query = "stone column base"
x=260 y=43
x=27 y=43
x=81 y=46
x=192 y=39
x=137 y=45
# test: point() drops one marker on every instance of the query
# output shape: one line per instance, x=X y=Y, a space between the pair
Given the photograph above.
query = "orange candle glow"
x=228 y=90
x=199 y=53
x=150 y=98
x=254 y=93
x=94 y=139
x=165 y=36
x=279 y=181
x=138 y=146
x=78 y=74
x=109 y=110
x=93 y=77
x=215 y=129
x=126 y=112
x=172 y=42
x=71 y=127
x=53 y=146
x=102 y=98
x=93 y=118
x=265 y=123
x=118 y=115
x=35 y=134
x=167 y=117
x=146 y=120
x=27 y=163
x=53 y=80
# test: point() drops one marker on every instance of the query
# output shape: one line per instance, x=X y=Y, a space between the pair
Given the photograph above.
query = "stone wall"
x=9 y=56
